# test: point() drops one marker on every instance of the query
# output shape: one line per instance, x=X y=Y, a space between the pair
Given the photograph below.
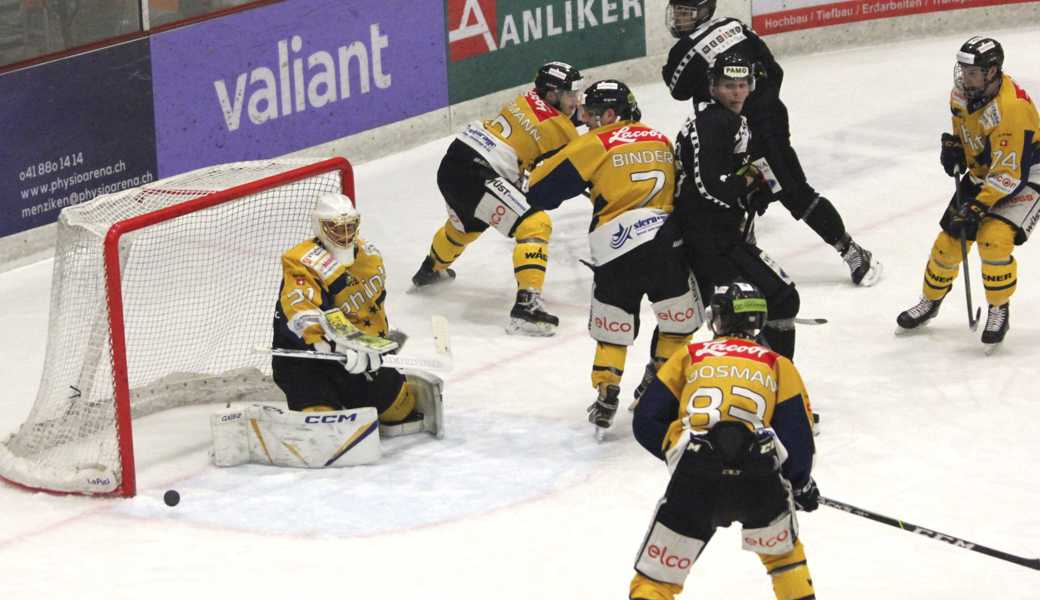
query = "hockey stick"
x=396 y=361
x=442 y=362
x=1032 y=563
x=973 y=323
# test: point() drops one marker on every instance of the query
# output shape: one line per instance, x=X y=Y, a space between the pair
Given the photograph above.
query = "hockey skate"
x=602 y=411
x=997 y=325
x=864 y=269
x=426 y=276
x=919 y=314
x=528 y=316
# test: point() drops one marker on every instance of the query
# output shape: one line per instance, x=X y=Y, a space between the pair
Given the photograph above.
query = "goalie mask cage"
x=159 y=296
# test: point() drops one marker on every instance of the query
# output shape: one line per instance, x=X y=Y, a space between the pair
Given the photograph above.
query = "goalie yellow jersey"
x=313 y=281
x=627 y=164
x=532 y=128
x=999 y=138
x=729 y=379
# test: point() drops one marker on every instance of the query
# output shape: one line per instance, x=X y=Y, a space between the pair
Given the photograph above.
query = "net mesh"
x=198 y=294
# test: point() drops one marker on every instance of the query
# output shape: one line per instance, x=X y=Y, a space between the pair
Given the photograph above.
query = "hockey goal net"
x=160 y=295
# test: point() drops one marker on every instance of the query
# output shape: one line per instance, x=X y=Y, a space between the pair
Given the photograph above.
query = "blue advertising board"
x=291 y=75
x=74 y=129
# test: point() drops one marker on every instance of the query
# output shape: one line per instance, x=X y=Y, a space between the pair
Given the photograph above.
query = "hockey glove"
x=951 y=155
x=807 y=497
x=758 y=196
x=356 y=362
x=971 y=213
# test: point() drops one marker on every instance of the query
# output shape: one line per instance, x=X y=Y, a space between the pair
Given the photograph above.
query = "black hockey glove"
x=807 y=497
x=951 y=154
x=971 y=213
x=758 y=196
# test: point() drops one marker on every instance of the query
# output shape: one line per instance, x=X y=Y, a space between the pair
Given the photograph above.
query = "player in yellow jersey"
x=628 y=169
x=994 y=139
x=336 y=269
x=732 y=420
x=481 y=179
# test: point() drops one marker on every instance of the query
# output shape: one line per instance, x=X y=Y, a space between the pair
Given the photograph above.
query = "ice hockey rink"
x=519 y=501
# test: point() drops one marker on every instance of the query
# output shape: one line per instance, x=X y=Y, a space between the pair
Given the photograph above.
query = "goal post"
x=159 y=295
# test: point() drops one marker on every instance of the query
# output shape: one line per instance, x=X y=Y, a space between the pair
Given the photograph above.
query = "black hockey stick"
x=973 y=323
x=1032 y=563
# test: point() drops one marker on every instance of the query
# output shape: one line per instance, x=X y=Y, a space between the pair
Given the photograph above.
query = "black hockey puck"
x=171 y=497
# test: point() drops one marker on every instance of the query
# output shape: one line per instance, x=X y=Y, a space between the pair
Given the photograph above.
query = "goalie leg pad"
x=428 y=416
x=268 y=435
x=401 y=407
x=501 y=206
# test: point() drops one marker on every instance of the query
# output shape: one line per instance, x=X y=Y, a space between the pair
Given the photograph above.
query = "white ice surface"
x=518 y=501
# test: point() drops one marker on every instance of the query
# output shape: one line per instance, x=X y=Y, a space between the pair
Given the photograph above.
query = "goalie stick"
x=1032 y=563
x=441 y=362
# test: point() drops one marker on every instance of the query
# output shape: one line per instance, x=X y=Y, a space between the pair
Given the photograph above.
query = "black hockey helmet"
x=611 y=93
x=982 y=52
x=683 y=16
x=738 y=309
x=732 y=65
x=557 y=75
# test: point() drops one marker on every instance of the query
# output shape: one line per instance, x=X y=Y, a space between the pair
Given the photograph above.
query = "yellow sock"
x=943 y=266
x=790 y=573
x=667 y=345
x=609 y=364
x=644 y=588
x=448 y=244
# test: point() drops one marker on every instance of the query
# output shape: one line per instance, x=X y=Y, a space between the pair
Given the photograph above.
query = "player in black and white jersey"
x=716 y=195
x=700 y=41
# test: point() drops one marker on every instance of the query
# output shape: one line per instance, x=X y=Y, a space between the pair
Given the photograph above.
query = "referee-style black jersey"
x=686 y=72
x=711 y=146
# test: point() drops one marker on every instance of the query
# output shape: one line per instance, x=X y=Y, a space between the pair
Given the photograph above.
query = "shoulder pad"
x=369 y=248
x=991 y=116
x=315 y=257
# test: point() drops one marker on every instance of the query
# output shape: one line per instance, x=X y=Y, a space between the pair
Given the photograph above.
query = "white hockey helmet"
x=336 y=222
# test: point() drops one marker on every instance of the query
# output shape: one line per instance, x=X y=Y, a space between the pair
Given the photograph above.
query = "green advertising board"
x=496 y=44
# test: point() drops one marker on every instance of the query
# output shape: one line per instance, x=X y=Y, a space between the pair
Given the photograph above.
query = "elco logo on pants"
x=768 y=542
x=615 y=326
x=496 y=217
x=671 y=561
x=680 y=317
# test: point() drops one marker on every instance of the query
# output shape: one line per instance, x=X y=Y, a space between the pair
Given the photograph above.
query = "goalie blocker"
x=269 y=435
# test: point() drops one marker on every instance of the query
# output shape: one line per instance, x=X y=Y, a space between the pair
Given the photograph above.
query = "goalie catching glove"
x=361 y=352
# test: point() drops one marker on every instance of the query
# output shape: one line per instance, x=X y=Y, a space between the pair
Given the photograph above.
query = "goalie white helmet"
x=336 y=223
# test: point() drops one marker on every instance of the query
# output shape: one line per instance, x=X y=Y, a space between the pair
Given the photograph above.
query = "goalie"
x=331 y=301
